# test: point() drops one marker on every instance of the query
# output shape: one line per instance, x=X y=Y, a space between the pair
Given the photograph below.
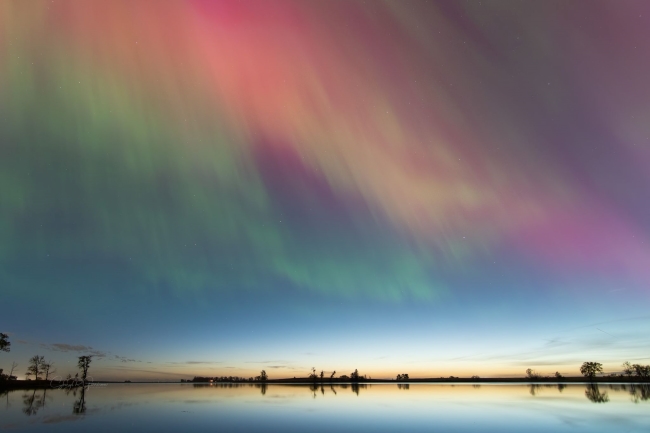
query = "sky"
x=426 y=187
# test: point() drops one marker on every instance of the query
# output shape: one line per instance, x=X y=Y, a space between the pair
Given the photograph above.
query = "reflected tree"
x=5 y=392
x=640 y=393
x=560 y=387
x=592 y=392
x=31 y=404
x=533 y=389
x=79 y=406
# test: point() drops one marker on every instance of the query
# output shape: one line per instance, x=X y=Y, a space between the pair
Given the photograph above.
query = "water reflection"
x=31 y=404
x=79 y=406
x=594 y=395
x=262 y=387
x=293 y=408
x=640 y=393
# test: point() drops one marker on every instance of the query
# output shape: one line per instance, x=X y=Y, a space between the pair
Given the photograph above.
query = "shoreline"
x=42 y=384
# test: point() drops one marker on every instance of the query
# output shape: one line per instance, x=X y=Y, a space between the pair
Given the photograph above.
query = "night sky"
x=426 y=187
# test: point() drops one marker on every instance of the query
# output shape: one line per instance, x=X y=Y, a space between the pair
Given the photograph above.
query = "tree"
x=558 y=375
x=35 y=367
x=48 y=368
x=532 y=374
x=628 y=370
x=322 y=373
x=590 y=369
x=354 y=376
x=332 y=376
x=84 y=365
x=11 y=372
x=642 y=371
x=263 y=376
x=5 y=344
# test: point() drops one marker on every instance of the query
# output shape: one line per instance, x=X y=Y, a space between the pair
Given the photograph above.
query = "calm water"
x=341 y=408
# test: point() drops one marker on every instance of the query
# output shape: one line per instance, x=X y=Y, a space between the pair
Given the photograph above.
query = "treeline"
x=591 y=369
x=40 y=369
x=230 y=379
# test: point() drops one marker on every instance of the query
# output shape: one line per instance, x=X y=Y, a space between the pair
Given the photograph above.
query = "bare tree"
x=35 y=367
x=332 y=376
x=48 y=368
x=13 y=367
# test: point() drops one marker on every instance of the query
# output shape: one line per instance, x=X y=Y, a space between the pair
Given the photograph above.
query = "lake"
x=340 y=408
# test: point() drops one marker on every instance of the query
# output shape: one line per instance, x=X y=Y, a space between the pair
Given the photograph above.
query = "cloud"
x=137 y=370
x=78 y=348
x=63 y=347
x=124 y=359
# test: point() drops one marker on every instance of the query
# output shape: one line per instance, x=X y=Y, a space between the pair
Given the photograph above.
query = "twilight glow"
x=214 y=187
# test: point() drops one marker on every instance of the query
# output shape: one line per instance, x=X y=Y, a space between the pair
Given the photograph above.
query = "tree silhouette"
x=5 y=344
x=354 y=376
x=590 y=369
x=263 y=376
x=532 y=374
x=628 y=370
x=332 y=376
x=641 y=371
x=35 y=367
x=48 y=368
x=11 y=372
x=84 y=365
